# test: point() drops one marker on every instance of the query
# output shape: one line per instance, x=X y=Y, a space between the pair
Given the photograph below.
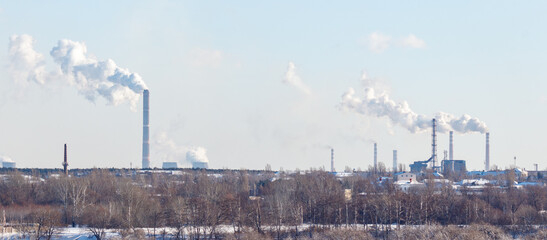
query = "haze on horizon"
x=248 y=84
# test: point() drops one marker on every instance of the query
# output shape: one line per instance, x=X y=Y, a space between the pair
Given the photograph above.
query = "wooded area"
x=198 y=205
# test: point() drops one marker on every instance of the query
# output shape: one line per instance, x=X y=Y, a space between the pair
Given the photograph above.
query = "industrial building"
x=200 y=165
x=169 y=165
x=449 y=165
x=453 y=166
x=7 y=162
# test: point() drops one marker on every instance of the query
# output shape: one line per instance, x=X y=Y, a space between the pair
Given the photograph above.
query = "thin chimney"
x=487 y=161
x=332 y=159
x=145 y=130
x=451 y=147
x=65 y=163
x=434 y=143
x=394 y=161
x=375 y=158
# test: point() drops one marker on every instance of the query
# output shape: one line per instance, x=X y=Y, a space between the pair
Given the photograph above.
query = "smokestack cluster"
x=487 y=161
x=381 y=105
x=145 y=130
x=394 y=161
x=332 y=159
x=451 y=146
x=375 y=158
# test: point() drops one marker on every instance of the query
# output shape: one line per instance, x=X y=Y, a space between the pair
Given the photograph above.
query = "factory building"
x=169 y=165
x=453 y=166
x=447 y=165
x=200 y=165
x=418 y=166
x=7 y=162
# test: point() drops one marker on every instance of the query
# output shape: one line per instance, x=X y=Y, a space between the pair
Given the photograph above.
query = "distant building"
x=418 y=166
x=200 y=165
x=404 y=176
x=453 y=166
x=7 y=162
x=168 y=165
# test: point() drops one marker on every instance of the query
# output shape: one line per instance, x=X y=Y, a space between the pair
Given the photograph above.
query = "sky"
x=250 y=83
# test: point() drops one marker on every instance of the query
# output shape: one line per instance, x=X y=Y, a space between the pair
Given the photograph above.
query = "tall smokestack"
x=451 y=147
x=65 y=163
x=434 y=143
x=394 y=161
x=375 y=158
x=487 y=162
x=145 y=130
x=332 y=159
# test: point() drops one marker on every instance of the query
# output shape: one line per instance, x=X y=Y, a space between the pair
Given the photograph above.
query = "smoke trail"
x=293 y=79
x=381 y=105
x=92 y=77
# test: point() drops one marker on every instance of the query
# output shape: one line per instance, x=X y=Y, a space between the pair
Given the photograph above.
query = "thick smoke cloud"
x=26 y=65
x=381 y=105
x=293 y=79
x=198 y=154
x=92 y=77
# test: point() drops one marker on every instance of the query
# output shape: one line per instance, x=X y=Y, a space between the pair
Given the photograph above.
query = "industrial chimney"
x=65 y=164
x=375 y=158
x=451 y=146
x=145 y=130
x=332 y=159
x=394 y=161
x=434 y=144
x=487 y=161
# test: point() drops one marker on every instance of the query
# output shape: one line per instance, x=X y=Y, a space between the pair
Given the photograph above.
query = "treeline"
x=200 y=205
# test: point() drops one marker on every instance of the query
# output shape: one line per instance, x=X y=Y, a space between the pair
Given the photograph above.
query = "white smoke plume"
x=92 y=77
x=293 y=79
x=26 y=65
x=198 y=154
x=166 y=150
x=381 y=105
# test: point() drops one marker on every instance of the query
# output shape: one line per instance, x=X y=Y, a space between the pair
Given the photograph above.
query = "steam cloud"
x=381 y=105
x=293 y=79
x=198 y=154
x=90 y=76
x=169 y=151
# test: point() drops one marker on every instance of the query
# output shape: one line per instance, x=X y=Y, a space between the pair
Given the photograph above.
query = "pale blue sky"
x=215 y=70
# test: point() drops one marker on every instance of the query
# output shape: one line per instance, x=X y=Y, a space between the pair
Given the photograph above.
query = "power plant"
x=145 y=130
x=449 y=165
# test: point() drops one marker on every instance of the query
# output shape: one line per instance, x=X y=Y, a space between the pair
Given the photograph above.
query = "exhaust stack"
x=375 y=158
x=145 y=130
x=394 y=161
x=487 y=161
x=451 y=147
x=332 y=159
x=434 y=144
x=65 y=163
